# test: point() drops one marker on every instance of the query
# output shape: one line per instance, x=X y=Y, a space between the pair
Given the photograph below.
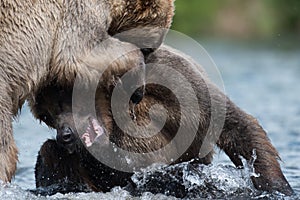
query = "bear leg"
x=241 y=136
x=8 y=148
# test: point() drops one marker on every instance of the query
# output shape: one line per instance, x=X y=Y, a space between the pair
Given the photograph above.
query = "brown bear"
x=88 y=148
x=49 y=40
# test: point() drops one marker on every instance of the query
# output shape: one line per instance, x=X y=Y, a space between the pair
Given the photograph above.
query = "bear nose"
x=67 y=134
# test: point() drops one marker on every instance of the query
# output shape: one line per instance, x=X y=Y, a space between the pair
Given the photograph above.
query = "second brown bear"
x=240 y=134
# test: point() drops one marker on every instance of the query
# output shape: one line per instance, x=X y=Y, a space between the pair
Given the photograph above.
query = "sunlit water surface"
x=263 y=81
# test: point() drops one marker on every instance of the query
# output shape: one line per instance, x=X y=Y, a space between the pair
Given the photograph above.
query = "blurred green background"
x=238 y=19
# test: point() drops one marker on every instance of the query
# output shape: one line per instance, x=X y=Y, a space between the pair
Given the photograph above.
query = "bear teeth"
x=93 y=131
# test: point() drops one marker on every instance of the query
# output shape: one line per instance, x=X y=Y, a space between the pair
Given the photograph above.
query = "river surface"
x=262 y=80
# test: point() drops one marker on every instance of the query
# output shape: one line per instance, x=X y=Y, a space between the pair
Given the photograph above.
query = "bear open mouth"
x=93 y=131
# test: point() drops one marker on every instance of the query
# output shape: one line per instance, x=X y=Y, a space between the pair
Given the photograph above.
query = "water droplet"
x=128 y=160
x=132 y=111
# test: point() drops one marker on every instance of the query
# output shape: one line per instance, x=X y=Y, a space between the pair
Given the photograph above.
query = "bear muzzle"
x=66 y=138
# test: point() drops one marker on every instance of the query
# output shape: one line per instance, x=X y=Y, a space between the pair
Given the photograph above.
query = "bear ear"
x=111 y=59
x=112 y=54
x=138 y=95
x=147 y=37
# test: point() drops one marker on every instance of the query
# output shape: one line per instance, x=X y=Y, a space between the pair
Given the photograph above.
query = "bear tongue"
x=93 y=131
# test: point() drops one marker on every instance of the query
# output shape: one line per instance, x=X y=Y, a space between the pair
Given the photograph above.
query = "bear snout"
x=66 y=138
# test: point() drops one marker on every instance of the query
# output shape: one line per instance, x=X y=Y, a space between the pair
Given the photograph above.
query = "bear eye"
x=137 y=96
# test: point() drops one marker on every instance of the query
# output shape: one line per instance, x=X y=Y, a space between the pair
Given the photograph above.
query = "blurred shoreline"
x=269 y=20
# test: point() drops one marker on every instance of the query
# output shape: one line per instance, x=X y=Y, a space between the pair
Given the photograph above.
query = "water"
x=263 y=81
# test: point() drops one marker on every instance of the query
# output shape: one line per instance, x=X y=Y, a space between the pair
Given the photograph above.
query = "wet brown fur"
x=42 y=41
x=241 y=133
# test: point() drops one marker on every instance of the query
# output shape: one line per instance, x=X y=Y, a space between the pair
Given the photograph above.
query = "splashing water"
x=249 y=170
x=190 y=180
x=185 y=180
